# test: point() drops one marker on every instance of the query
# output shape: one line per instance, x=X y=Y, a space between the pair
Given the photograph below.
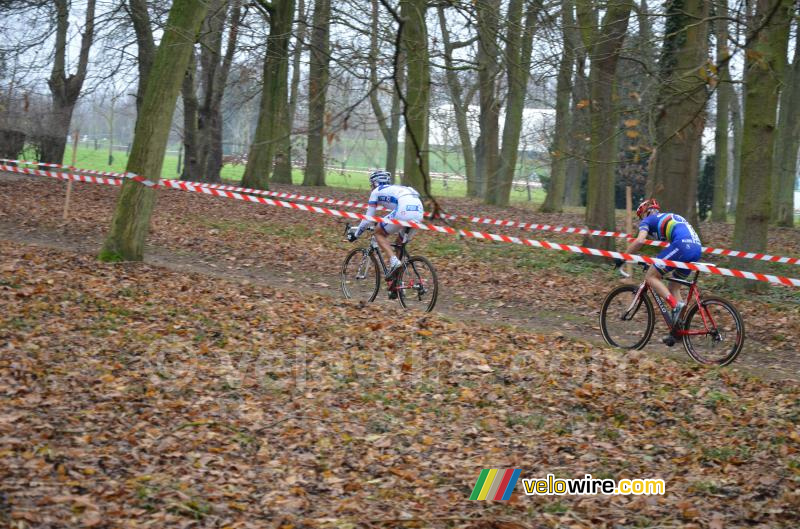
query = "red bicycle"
x=711 y=329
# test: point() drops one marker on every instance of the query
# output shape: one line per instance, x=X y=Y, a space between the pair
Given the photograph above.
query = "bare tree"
x=460 y=101
x=604 y=42
x=131 y=221
x=203 y=115
x=786 y=145
x=764 y=63
x=680 y=118
x=519 y=44
x=272 y=131
x=558 y=171
x=724 y=94
x=66 y=89
x=317 y=94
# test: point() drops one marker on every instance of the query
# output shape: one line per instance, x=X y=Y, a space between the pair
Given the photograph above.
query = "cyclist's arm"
x=638 y=243
x=372 y=206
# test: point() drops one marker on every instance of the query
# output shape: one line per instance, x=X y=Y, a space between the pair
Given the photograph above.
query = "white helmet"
x=380 y=178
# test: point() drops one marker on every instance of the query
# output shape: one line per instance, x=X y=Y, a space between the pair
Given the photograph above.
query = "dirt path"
x=755 y=359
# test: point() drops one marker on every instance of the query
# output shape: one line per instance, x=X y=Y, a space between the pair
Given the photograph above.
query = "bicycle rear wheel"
x=360 y=276
x=624 y=325
x=418 y=286
x=720 y=332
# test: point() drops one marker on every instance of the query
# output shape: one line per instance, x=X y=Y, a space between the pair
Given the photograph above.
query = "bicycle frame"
x=693 y=295
x=402 y=254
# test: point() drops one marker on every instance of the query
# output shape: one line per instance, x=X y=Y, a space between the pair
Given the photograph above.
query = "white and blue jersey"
x=684 y=244
x=403 y=201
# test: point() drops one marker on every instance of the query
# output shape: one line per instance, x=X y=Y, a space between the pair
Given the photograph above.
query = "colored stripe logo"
x=495 y=484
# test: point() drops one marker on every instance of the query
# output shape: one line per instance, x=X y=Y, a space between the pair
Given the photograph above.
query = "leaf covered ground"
x=138 y=395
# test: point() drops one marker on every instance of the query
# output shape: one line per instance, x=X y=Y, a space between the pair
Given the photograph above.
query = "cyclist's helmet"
x=646 y=206
x=380 y=178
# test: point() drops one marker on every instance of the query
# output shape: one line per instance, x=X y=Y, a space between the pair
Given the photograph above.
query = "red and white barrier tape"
x=476 y=220
x=132 y=176
x=508 y=223
x=187 y=186
x=62 y=176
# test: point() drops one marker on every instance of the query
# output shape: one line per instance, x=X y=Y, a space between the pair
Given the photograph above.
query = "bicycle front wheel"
x=418 y=286
x=360 y=276
x=626 y=324
x=715 y=332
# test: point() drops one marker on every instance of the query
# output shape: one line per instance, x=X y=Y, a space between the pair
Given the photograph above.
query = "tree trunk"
x=724 y=91
x=65 y=89
x=317 y=95
x=765 y=60
x=579 y=130
x=558 y=169
x=146 y=48
x=389 y=125
x=786 y=145
x=131 y=221
x=681 y=101
x=203 y=116
x=519 y=44
x=393 y=143
x=418 y=78
x=460 y=106
x=297 y=54
x=191 y=142
x=486 y=148
x=738 y=135
x=604 y=43
x=269 y=143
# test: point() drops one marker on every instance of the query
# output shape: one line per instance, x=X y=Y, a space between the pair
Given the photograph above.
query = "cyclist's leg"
x=657 y=271
x=383 y=232
x=688 y=252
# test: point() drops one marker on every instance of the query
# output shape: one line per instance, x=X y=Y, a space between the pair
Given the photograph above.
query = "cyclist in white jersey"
x=404 y=203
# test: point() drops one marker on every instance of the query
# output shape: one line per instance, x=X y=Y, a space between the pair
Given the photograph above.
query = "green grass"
x=89 y=158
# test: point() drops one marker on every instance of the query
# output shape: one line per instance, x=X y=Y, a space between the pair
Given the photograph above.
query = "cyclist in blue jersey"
x=404 y=203
x=684 y=245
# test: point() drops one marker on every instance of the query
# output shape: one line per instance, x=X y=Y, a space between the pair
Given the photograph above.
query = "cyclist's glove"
x=351 y=234
x=618 y=262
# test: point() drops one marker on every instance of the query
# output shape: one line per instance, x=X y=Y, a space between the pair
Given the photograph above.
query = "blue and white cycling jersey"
x=684 y=244
x=669 y=227
x=403 y=201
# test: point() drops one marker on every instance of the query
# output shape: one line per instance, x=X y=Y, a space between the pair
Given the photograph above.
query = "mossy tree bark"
x=765 y=61
x=459 y=101
x=65 y=89
x=554 y=202
x=519 y=44
x=682 y=98
x=317 y=94
x=131 y=221
x=786 y=146
x=604 y=42
x=416 y=171
x=724 y=91
x=269 y=142
x=487 y=156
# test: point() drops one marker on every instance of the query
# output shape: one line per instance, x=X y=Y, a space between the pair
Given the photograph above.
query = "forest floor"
x=225 y=382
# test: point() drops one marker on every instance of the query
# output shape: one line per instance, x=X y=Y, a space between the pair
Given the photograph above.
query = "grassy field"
x=89 y=158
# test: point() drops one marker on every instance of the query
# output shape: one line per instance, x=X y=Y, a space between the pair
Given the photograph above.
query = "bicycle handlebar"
x=619 y=267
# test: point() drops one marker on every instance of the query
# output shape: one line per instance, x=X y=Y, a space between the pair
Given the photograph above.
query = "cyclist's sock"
x=672 y=301
x=394 y=261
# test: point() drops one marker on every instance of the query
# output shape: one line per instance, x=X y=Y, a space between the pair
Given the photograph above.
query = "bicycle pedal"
x=668 y=340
